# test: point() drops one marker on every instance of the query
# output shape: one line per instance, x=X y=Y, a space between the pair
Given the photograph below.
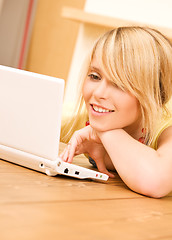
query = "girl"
x=127 y=93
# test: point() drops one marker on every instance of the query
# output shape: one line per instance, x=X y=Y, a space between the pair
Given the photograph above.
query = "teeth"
x=100 y=110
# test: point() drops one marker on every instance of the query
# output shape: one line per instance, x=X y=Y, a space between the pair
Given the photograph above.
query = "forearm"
x=138 y=165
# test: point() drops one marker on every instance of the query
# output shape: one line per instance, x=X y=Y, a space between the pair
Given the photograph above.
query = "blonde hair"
x=138 y=60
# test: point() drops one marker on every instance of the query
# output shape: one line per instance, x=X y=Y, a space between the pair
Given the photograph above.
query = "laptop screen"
x=30 y=112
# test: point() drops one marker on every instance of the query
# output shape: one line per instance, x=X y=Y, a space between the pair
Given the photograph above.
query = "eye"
x=94 y=76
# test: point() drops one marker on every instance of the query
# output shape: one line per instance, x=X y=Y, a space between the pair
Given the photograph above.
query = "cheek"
x=130 y=105
x=86 y=91
x=133 y=108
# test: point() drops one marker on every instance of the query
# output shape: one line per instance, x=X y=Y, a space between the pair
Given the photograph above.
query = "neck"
x=134 y=130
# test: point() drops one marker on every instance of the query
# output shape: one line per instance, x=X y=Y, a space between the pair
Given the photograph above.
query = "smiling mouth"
x=100 y=109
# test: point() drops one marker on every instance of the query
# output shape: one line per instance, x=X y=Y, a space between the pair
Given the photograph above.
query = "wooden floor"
x=34 y=206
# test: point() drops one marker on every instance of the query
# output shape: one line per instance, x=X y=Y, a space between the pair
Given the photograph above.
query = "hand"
x=87 y=141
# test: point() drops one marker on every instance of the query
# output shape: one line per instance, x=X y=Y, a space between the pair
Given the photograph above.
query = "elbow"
x=154 y=193
x=155 y=188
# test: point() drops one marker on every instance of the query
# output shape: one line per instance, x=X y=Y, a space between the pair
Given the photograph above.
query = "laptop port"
x=66 y=170
x=41 y=165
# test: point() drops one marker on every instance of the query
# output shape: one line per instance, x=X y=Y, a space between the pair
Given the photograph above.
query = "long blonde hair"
x=138 y=60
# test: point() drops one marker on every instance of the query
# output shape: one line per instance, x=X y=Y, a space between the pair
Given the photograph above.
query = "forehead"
x=95 y=65
x=94 y=61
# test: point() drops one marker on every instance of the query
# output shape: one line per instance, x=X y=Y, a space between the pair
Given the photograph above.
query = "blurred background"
x=34 y=36
x=52 y=36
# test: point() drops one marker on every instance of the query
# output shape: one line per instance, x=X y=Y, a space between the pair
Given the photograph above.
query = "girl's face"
x=108 y=106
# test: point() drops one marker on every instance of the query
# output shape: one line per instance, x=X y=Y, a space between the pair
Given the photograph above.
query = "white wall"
x=156 y=12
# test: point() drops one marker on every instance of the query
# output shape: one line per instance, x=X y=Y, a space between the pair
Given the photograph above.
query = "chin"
x=100 y=128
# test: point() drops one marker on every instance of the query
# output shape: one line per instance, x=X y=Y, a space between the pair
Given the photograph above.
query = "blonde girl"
x=127 y=92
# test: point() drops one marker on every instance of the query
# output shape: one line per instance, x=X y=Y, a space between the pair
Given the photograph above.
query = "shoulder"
x=162 y=128
x=164 y=142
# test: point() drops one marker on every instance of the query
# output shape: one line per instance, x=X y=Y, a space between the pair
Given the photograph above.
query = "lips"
x=100 y=109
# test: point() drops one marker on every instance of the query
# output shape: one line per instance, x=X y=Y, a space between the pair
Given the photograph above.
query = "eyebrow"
x=95 y=69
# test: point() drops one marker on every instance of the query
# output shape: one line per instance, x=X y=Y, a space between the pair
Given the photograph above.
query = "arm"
x=143 y=169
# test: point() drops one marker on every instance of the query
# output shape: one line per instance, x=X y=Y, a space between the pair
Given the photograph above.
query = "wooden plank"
x=26 y=185
x=35 y=206
x=19 y=184
x=124 y=219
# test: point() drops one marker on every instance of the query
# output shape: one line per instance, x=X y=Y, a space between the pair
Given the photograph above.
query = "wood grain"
x=35 y=206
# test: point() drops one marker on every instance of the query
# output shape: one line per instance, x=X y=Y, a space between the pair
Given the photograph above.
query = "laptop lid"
x=30 y=112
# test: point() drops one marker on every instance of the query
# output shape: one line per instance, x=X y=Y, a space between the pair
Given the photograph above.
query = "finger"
x=111 y=175
x=64 y=154
x=65 y=149
x=102 y=168
x=72 y=149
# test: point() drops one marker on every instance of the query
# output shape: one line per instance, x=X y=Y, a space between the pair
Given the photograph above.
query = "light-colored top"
x=164 y=123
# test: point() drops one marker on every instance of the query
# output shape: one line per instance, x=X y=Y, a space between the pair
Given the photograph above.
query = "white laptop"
x=30 y=123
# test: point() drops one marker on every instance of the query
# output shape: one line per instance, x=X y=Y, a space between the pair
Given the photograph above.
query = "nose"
x=101 y=90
